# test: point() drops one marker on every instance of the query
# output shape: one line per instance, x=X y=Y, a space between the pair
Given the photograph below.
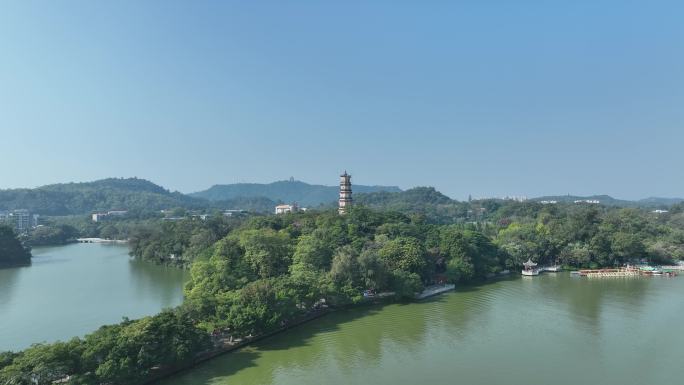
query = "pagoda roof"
x=529 y=263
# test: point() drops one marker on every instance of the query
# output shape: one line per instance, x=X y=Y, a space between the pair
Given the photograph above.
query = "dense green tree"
x=267 y=251
x=52 y=235
x=12 y=252
x=403 y=253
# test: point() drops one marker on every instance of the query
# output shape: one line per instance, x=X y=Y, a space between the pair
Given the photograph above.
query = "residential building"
x=20 y=219
x=98 y=217
x=283 y=209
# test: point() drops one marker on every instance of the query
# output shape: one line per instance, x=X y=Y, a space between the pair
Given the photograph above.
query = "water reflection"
x=478 y=335
x=74 y=289
x=586 y=299
x=345 y=341
x=161 y=281
x=8 y=282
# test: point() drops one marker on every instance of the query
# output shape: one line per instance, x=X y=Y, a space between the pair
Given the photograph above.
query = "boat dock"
x=627 y=272
x=673 y=267
x=100 y=240
x=622 y=272
x=531 y=269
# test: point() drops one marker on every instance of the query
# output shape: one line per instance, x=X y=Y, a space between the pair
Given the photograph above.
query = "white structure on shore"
x=530 y=268
x=345 y=201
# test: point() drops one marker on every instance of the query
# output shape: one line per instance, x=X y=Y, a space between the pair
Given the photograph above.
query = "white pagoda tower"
x=345 y=193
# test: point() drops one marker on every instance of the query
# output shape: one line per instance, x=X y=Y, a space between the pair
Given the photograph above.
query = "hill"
x=106 y=194
x=285 y=191
x=427 y=201
x=607 y=200
x=656 y=201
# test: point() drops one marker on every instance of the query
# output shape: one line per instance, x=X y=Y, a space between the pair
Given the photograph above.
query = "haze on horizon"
x=483 y=98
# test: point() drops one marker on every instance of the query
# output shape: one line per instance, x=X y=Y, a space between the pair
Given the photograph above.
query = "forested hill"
x=106 y=194
x=427 y=201
x=285 y=191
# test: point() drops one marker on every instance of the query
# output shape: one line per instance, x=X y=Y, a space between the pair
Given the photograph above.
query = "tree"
x=404 y=253
x=344 y=270
x=12 y=252
x=42 y=364
x=372 y=268
x=266 y=251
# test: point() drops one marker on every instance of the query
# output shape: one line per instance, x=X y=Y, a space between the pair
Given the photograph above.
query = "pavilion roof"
x=529 y=263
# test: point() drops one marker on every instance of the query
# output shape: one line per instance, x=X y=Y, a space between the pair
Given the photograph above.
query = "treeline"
x=257 y=275
x=63 y=230
x=178 y=242
x=12 y=251
x=126 y=353
x=141 y=198
x=589 y=235
x=83 y=198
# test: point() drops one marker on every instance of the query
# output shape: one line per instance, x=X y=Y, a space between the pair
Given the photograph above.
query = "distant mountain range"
x=307 y=195
x=607 y=200
x=105 y=194
x=140 y=195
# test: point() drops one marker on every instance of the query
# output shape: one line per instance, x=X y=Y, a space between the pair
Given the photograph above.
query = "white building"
x=231 y=213
x=284 y=209
x=20 y=219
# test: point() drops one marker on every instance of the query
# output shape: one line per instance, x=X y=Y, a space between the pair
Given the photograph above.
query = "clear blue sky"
x=473 y=97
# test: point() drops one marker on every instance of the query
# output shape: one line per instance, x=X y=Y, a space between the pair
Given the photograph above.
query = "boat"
x=651 y=271
x=552 y=269
x=618 y=272
x=530 y=268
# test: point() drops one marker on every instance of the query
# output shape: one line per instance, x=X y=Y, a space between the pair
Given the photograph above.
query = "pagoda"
x=345 y=201
x=530 y=268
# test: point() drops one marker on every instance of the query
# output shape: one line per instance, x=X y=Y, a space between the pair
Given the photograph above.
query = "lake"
x=552 y=329
x=74 y=289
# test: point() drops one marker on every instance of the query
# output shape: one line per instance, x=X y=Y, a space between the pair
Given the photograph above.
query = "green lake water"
x=551 y=329
x=73 y=290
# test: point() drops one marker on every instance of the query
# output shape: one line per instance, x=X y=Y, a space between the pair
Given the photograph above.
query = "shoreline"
x=100 y=240
x=203 y=357
x=209 y=355
x=15 y=265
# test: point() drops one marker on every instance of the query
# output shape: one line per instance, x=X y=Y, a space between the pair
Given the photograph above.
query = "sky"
x=483 y=98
